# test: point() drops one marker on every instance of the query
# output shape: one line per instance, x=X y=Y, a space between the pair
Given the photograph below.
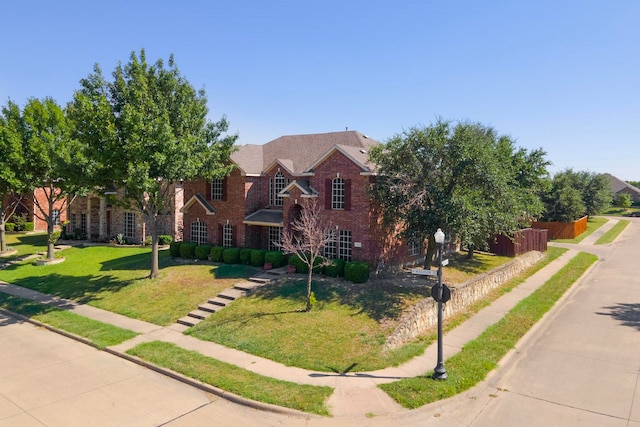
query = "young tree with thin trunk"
x=306 y=238
x=53 y=162
x=146 y=131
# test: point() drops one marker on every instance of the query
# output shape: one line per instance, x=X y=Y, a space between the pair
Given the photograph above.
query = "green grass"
x=618 y=211
x=613 y=232
x=478 y=357
x=100 y=334
x=236 y=380
x=114 y=279
x=26 y=244
x=592 y=225
x=343 y=332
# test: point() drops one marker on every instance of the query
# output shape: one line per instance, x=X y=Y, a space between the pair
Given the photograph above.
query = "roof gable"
x=297 y=153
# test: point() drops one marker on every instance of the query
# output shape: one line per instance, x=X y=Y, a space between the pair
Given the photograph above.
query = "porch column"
x=103 y=218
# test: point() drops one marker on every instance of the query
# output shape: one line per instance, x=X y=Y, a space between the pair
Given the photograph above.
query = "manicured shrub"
x=216 y=253
x=231 y=256
x=276 y=258
x=335 y=269
x=245 y=256
x=257 y=257
x=202 y=252
x=28 y=226
x=9 y=226
x=302 y=267
x=165 y=239
x=188 y=250
x=174 y=249
x=356 y=271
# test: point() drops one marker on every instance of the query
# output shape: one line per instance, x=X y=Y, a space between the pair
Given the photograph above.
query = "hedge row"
x=355 y=271
x=12 y=226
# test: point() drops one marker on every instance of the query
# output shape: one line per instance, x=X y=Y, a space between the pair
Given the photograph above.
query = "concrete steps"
x=226 y=297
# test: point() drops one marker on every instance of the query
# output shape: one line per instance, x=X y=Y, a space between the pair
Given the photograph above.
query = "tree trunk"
x=155 y=269
x=431 y=251
x=3 y=241
x=470 y=251
x=50 y=241
x=308 y=309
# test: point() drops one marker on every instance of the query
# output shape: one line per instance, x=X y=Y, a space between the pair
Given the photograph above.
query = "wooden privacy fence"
x=563 y=230
x=523 y=241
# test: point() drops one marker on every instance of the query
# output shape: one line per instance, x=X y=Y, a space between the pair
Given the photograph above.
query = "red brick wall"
x=232 y=209
x=40 y=195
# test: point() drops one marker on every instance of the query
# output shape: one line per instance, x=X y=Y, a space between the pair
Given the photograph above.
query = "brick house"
x=28 y=207
x=253 y=204
x=97 y=217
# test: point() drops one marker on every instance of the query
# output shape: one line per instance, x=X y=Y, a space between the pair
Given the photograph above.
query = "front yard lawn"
x=114 y=279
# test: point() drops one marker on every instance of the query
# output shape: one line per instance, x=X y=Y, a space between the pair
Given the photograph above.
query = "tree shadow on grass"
x=626 y=314
x=81 y=289
x=377 y=301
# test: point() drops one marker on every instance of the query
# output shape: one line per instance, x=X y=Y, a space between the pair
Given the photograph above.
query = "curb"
x=232 y=397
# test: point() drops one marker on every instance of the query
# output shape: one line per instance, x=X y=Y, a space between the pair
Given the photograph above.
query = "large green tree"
x=53 y=162
x=463 y=178
x=146 y=130
x=12 y=182
x=572 y=195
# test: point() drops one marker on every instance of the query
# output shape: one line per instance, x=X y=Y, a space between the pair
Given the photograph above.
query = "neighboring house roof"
x=265 y=217
x=298 y=153
x=618 y=185
x=198 y=198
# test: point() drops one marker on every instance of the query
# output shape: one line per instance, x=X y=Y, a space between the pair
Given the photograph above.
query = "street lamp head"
x=439 y=237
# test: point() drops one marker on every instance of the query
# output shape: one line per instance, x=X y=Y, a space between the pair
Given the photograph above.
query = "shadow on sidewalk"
x=626 y=314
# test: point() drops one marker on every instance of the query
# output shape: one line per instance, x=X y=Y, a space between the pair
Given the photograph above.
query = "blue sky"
x=560 y=75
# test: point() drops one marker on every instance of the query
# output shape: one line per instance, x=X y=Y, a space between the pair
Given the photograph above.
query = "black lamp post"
x=440 y=373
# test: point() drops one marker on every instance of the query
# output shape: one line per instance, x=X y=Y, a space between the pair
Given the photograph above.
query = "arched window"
x=227 y=236
x=279 y=182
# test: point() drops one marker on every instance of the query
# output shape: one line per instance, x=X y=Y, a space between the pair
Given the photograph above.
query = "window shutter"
x=210 y=190
x=327 y=193
x=220 y=235
x=234 y=230
x=224 y=189
x=347 y=194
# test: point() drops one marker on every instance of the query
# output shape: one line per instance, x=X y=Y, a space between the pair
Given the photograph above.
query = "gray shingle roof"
x=265 y=217
x=618 y=184
x=298 y=152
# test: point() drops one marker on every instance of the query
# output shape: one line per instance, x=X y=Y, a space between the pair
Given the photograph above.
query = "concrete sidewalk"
x=356 y=393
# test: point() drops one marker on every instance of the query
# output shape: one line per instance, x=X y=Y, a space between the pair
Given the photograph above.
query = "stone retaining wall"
x=424 y=315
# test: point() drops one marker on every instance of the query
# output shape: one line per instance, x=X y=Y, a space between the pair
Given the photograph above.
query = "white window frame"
x=330 y=249
x=279 y=183
x=55 y=216
x=129 y=224
x=275 y=238
x=198 y=231
x=217 y=188
x=337 y=194
x=344 y=245
x=83 y=223
x=227 y=236
x=414 y=247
